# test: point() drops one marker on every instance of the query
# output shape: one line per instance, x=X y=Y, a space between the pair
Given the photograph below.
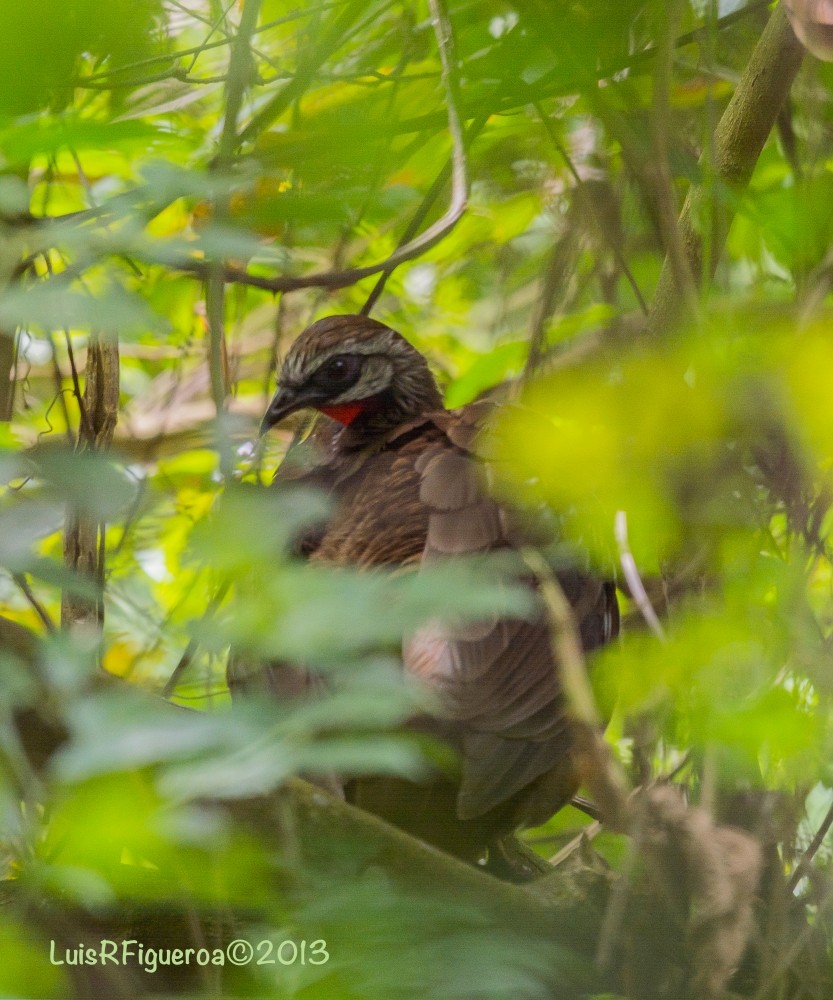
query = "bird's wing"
x=812 y=21
x=498 y=678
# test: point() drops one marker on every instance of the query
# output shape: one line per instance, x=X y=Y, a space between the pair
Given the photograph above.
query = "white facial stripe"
x=296 y=370
x=376 y=376
x=389 y=365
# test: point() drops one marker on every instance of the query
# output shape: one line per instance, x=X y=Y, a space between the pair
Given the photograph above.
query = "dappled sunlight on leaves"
x=153 y=195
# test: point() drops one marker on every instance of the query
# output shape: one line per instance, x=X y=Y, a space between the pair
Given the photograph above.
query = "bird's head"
x=354 y=369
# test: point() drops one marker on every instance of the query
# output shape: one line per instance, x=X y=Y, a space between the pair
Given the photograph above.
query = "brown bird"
x=407 y=488
x=812 y=22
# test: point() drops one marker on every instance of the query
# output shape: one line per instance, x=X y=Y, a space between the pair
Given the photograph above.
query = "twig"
x=76 y=386
x=297 y=15
x=338 y=33
x=569 y=654
x=614 y=246
x=59 y=389
x=459 y=162
x=771 y=985
x=603 y=773
x=806 y=858
x=50 y=427
x=420 y=215
x=617 y=903
x=675 y=771
x=237 y=81
x=816 y=290
x=588 y=834
x=560 y=264
x=133 y=513
x=414 y=248
x=738 y=141
x=191 y=649
x=658 y=168
x=632 y=577
x=351 y=227
x=213 y=27
x=39 y=609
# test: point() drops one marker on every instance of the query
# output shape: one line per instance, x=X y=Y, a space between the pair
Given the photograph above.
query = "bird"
x=407 y=489
x=812 y=22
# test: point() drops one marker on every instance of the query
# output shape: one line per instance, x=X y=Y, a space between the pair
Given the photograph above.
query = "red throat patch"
x=346 y=413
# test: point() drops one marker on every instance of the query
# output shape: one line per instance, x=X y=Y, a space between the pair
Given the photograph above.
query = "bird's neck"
x=366 y=422
x=346 y=413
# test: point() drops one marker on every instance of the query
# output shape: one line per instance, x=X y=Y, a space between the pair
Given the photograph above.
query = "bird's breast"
x=378 y=517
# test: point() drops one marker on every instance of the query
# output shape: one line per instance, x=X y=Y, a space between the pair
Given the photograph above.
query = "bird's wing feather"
x=498 y=677
x=493 y=765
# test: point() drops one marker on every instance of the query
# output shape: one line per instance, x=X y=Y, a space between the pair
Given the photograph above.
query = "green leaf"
x=52 y=305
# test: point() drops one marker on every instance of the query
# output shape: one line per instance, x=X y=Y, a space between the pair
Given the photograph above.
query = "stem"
x=239 y=74
x=738 y=141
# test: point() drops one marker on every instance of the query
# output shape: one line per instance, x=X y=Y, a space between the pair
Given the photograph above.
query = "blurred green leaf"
x=26 y=970
x=53 y=305
x=88 y=481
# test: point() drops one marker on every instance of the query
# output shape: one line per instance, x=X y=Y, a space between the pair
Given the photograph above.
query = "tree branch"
x=425 y=206
x=324 y=823
x=600 y=769
x=739 y=139
x=239 y=73
x=410 y=250
x=83 y=535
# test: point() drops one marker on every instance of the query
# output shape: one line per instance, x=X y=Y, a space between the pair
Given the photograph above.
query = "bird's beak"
x=285 y=401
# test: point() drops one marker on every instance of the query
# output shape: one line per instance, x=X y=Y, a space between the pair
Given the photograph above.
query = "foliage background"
x=198 y=181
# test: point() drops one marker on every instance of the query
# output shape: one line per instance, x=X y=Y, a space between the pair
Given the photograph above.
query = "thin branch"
x=614 y=246
x=50 y=427
x=213 y=26
x=238 y=79
x=190 y=650
x=335 y=37
x=39 y=609
x=602 y=772
x=586 y=806
x=559 y=266
x=83 y=81
x=132 y=516
x=658 y=168
x=588 y=834
x=816 y=290
x=632 y=577
x=617 y=904
x=421 y=213
x=59 y=389
x=738 y=141
x=676 y=770
x=372 y=187
x=144 y=81
x=76 y=387
x=414 y=248
x=806 y=858
x=772 y=984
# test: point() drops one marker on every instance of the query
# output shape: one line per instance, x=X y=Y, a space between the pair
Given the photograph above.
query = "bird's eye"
x=341 y=370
